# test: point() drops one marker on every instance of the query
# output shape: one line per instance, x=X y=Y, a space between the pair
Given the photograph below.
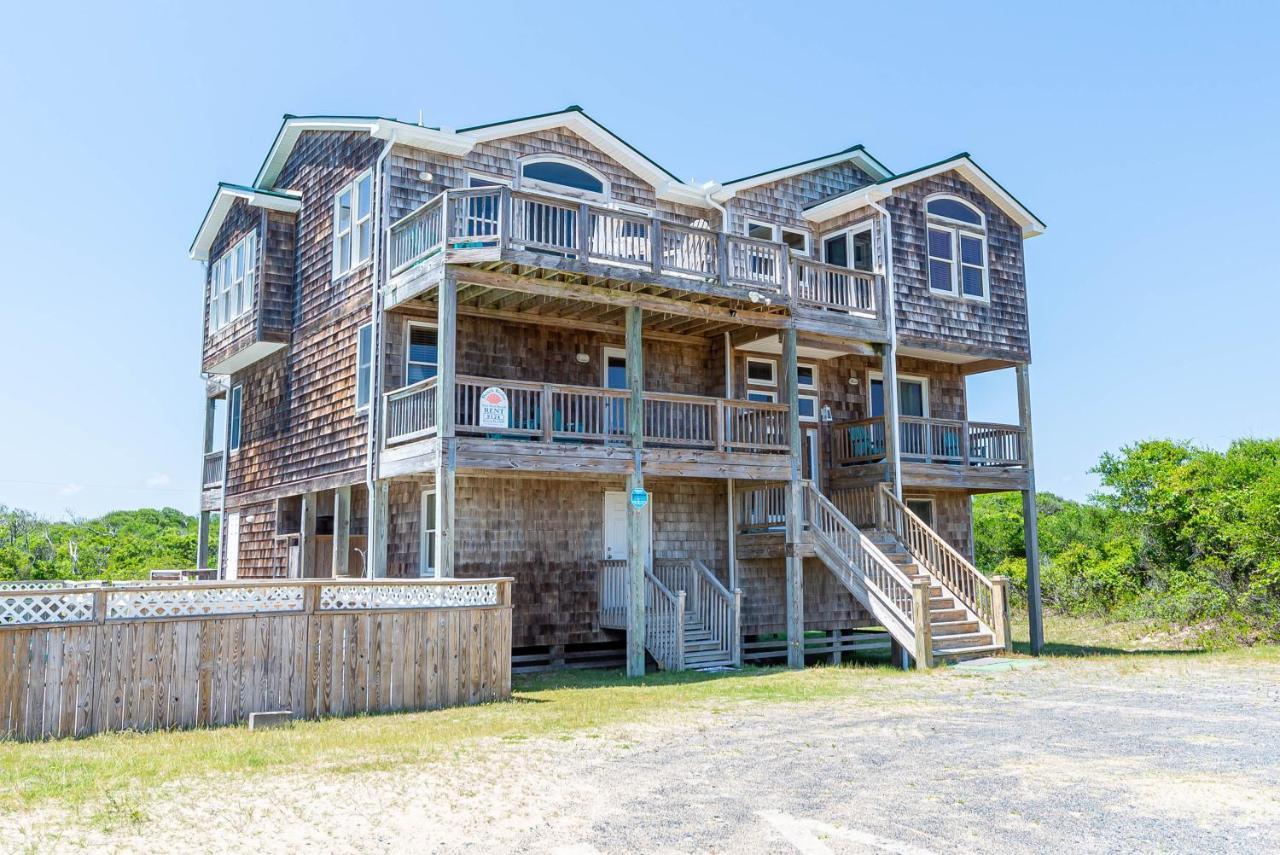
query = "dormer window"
x=957 y=246
x=231 y=283
x=564 y=178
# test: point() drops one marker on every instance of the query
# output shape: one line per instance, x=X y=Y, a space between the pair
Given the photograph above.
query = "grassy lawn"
x=109 y=775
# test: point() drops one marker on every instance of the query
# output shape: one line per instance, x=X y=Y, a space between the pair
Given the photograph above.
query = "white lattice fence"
x=194 y=602
x=336 y=598
x=45 y=606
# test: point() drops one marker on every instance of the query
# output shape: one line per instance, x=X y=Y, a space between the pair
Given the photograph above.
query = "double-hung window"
x=422 y=355
x=364 y=365
x=234 y=406
x=353 y=225
x=231 y=283
x=957 y=248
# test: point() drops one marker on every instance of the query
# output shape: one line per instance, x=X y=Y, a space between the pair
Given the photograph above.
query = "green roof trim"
x=247 y=189
x=854 y=149
x=574 y=108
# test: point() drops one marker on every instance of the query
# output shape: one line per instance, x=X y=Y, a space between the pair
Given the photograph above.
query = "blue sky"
x=1144 y=139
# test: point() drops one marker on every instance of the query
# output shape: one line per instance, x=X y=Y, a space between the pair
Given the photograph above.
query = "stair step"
x=955 y=627
x=941 y=603
x=969 y=639
x=944 y=615
x=960 y=654
x=935 y=591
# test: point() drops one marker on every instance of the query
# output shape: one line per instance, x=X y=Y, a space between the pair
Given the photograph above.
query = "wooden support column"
x=732 y=535
x=341 y=531
x=1030 y=522
x=202 y=542
x=794 y=506
x=892 y=424
x=379 y=526
x=636 y=546
x=307 y=537
x=446 y=399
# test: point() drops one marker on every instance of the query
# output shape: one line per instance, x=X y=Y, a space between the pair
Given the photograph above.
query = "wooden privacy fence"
x=77 y=661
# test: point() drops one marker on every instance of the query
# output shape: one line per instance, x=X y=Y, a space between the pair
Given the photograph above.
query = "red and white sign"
x=495 y=409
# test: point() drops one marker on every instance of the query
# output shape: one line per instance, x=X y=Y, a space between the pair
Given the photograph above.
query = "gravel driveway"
x=1151 y=754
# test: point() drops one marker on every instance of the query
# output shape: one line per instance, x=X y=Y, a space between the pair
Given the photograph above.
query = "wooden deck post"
x=635 y=516
x=341 y=530
x=446 y=400
x=1000 y=612
x=794 y=507
x=307 y=537
x=379 y=509
x=923 y=654
x=202 y=541
x=892 y=426
x=1030 y=523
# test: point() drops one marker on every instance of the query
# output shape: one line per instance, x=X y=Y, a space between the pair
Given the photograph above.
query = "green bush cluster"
x=118 y=545
x=1177 y=532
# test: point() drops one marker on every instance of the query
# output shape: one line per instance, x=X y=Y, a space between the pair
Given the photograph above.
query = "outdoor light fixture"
x=426 y=176
x=853 y=381
x=584 y=358
x=826 y=413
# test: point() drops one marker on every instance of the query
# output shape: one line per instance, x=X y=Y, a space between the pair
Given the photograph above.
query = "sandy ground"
x=1167 y=754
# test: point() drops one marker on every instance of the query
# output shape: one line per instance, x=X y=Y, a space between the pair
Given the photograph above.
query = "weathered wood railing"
x=952 y=570
x=890 y=591
x=552 y=412
x=761 y=509
x=859 y=504
x=80 y=660
x=612 y=593
x=500 y=217
x=213 y=463
x=827 y=286
x=664 y=613
x=717 y=608
x=409 y=413
x=947 y=441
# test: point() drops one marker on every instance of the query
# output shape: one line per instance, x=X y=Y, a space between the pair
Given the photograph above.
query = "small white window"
x=353 y=225
x=563 y=177
x=796 y=241
x=234 y=414
x=761 y=372
x=364 y=365
x=808 y=408
x=422 y=355
x=427 y=536
x=759 y=231
x=761 y=397
x=806 y=376
x=477 y=180
x=231 y=281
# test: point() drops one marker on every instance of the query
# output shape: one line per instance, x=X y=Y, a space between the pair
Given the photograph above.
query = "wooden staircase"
x=692 y=621
x=932 y=600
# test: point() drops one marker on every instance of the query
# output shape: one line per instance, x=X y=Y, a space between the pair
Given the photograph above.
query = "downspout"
x=376 y=357
x=891 y=325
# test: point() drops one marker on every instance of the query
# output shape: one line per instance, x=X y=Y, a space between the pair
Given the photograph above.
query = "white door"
x=233 y=545
x=616 y=507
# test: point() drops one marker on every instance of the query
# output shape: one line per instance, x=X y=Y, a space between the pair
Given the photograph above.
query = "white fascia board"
x=221 y=206
x=445 y=142
x=848 y=202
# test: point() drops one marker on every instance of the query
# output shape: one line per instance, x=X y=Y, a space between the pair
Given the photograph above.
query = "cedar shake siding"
x=926 y=319
x=783 y=202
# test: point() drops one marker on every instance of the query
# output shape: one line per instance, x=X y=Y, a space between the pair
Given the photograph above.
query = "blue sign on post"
x=639 y=498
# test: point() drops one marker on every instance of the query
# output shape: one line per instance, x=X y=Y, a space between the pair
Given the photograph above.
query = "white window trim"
x=224 y=270
x=812 y=366
x=408 y=341
x=423 y=551
x=235 y=416
x=848 y=233
x=364 y=408
x=814 y=417
x=773 y=372
x=356 y=262
x=775 y=234
x=771 y=397
x=956 y=229
x=560 y=190
x=493 y=179
x=933 y=506
x=605 y=354
x=924 y=390
x=808 y=240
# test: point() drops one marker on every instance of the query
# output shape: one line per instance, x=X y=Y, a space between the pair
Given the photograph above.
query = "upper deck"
x=498 y=230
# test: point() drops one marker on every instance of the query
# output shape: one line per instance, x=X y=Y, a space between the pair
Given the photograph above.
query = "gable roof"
x=223 y=198
x=961 y=163
x=857 y=154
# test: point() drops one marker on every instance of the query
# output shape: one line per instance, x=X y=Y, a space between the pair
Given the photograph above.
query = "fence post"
x=1000 y=612
x=923 y=630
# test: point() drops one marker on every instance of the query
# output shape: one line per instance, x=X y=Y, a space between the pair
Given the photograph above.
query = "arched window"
x=563 y=177
x=957 y=247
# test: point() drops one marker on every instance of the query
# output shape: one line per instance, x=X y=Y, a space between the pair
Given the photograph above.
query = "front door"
x=616 y=508
x=615 y=377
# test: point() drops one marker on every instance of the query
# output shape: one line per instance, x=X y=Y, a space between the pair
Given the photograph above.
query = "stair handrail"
x=882 y=578
x=944 y=562
x=727 y=621
x=660 y=601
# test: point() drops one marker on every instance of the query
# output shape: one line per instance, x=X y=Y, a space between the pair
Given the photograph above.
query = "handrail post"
x=680 y=631
x=722 y=256
x=545 y=412
x=584 y=231
x=655 y=244
x=920 y=617
x=737 y=627
x=717 y=425
x=504 y=218
x=1003 y=637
